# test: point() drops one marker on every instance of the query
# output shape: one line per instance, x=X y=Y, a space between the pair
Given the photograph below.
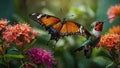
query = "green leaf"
x=1 y=56
x=101 y=61
x=110 y=65
x=0 y=40
x=33 y=64
x=30 y=45
x=14 y=56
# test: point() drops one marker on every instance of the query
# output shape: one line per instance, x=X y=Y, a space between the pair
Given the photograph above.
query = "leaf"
x=30 y=45
x=104 y=53
x=110 y=65
x=1 y=41
x=101 y=61
x=33 y=64
x=14 y=56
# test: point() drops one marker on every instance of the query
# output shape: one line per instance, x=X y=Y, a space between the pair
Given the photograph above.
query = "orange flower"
x=3 y=23
x=115 y=30
x=110 y=41
x=19 y=33
x=113 y=12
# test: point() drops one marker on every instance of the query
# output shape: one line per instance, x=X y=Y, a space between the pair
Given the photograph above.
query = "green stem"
x=40 y=66
x=22 y=65
x=22 y=61
x=115 y=62
x=4 y=58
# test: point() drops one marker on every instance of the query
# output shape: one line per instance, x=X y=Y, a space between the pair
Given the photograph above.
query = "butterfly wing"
x=51 y=23
x=45 y=20
x=69 y=28
x=72 y=28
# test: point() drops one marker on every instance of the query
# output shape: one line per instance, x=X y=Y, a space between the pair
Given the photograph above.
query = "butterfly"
x=59 y=28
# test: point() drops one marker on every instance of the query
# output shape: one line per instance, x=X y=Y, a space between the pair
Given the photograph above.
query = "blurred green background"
x=81 y=11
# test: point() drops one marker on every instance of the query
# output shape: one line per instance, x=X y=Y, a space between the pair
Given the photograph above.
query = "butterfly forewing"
x=44 y=19
x=48 y=20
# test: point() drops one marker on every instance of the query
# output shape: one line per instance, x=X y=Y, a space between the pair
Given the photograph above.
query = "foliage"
x=83 y=12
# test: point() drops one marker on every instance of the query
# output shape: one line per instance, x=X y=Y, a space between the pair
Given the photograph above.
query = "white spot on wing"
x=39 y=16
x=81 y=29
x=33 y=13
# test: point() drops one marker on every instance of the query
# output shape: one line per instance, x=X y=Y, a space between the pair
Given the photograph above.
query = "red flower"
x=3 y=23
x=113 y=12
x=110 y=41
x=19 y=33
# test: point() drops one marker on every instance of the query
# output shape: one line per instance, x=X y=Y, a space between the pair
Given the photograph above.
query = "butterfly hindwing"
x=70 y=28
x=57 y=26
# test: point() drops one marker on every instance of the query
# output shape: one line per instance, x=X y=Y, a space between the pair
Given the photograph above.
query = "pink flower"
x=19 y=33
x=110 y=41
x=39 y=56
x=3 y=23
x=113 y=12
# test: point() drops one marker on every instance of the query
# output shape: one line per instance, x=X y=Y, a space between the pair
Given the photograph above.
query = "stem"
x=21 y=66
x=22 y=61
x=119 y=56
x=4 y=58
x=116 y=63
x=40 y=66
x=112 y=56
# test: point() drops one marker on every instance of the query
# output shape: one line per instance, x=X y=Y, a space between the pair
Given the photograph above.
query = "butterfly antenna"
x=62 y=12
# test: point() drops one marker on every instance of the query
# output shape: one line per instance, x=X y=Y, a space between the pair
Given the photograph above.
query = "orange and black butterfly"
x=59 y=28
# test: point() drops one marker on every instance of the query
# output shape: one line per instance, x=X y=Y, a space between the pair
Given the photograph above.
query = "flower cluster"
x=113 y=12
x=39 y=56
x=3 y=24
x=19 y=33
x=22 y=34
x=115 y=30
x=110 y=41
